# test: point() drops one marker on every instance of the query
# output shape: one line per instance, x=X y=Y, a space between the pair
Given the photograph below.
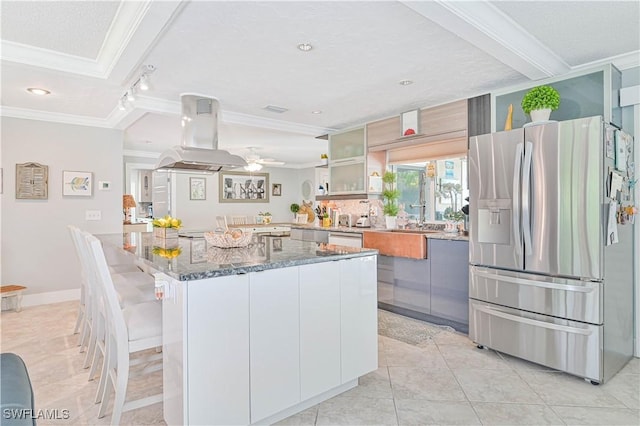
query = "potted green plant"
x=324 y=159
x=295 y=208
x=540 y=101
x=390 y=195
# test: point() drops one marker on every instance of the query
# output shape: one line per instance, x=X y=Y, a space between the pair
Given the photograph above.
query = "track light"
x=144 y=82
x=140 y=83
x=130 y=95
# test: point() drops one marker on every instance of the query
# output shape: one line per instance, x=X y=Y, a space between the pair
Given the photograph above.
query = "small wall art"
x=276 y=189
x=32 y=181
x=198 y=188
x=409 y=123
x=77 y=183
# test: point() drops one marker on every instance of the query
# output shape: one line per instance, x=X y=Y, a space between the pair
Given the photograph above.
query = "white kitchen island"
x=252 y=336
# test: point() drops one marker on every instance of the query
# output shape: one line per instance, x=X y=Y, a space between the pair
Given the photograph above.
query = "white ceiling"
x=244 y=53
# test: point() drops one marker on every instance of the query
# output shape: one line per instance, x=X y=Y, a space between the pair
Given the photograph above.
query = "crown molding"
x=118 y=119
x=141 y=154
x=489 y=29
x=145 y=104
x=55 y=117
x=269 y=123
x=622 y=62
x=45 y=58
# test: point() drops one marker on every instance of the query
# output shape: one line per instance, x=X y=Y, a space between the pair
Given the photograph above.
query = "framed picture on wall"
x=77 y=183
x=197 y=188
x=276 y=189
x=410 y=123
x=241 y=187
x=32 y=181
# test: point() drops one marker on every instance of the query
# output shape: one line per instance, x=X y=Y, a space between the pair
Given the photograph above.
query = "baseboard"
x=45 y=298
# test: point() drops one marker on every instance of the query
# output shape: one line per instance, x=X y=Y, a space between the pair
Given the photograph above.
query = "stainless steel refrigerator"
x=543 y=284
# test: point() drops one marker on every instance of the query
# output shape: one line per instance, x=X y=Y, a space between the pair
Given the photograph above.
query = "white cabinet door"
x=274 y=328
x=174 y=336
x=218 y=350
x=319 y=328
x=358 y=317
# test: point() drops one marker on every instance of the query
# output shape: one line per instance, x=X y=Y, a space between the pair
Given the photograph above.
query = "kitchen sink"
x=416 y=231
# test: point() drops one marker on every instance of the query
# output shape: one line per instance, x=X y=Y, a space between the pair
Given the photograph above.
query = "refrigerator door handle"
x=515 y=211
x=514 y=280
x=496 y=313
x=526 y=189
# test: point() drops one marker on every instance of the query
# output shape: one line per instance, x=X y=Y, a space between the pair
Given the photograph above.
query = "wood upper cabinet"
x=383 y=131
x=451 y=117
x=447 y=121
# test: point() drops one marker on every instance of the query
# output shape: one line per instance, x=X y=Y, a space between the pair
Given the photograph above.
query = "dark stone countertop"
x=199 y=260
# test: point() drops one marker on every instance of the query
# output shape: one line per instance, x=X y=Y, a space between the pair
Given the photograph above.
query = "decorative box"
x=166 y=243
x=165 y=232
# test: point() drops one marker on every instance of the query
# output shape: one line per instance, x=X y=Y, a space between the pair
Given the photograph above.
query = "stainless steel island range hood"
x=198 y=150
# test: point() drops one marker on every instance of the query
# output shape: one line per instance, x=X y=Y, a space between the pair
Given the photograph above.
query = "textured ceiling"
x=244 y=53
x=72 y=27
x=602 y=28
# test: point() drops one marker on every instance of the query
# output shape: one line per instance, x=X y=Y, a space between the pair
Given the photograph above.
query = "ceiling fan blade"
x=270 y=162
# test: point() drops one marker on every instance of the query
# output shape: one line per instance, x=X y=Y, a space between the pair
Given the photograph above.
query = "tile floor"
x=442 y=380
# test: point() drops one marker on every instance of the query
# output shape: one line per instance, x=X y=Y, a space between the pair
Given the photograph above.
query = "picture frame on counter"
x=197 y=188
x=198 y=251
x=77 y=184
x=243 y=187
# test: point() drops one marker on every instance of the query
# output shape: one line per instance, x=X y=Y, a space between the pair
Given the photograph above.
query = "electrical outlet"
x=93 y=215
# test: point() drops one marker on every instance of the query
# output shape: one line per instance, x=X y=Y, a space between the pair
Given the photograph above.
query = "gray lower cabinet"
x=319 y=236
x=404 y=283
x=449 y=279
x=435 y=289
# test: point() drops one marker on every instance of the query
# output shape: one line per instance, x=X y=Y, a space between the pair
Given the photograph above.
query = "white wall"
x=201 y=214
x=37 y=251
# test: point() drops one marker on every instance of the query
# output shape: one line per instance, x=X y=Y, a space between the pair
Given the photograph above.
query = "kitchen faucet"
x=422 y=203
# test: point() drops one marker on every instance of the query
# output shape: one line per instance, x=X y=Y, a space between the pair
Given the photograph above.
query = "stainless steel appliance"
x=198 y=150
x=345 y=220
x=543 y=284
x=363 y=222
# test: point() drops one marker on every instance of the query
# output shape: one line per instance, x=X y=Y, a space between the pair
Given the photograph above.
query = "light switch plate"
x=93 y=215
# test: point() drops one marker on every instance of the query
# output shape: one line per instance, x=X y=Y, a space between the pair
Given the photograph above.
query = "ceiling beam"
x=492 y=31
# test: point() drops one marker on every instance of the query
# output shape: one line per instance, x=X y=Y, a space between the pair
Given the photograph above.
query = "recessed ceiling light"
x=405 y=82
x=305 y=47
x=38 y=91
x=316 y=112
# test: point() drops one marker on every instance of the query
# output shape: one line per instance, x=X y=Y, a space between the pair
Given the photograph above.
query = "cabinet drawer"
x=569 y=346
x=559 y=297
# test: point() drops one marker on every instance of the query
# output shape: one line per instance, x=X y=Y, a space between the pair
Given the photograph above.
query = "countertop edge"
x=239 y=270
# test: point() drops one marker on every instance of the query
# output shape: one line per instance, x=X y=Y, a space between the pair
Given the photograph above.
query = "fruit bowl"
x=229 y=239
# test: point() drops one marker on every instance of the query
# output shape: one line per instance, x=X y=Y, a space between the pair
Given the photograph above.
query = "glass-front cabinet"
x=347 y=177
x=347 y=162
x=347 y=145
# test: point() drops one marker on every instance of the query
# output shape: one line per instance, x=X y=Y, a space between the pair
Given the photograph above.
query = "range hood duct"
x=198 y=150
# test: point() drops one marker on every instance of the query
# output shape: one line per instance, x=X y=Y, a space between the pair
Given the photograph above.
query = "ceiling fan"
x=255 y=163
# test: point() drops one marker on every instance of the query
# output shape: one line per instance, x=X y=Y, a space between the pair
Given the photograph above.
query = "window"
x=444 y=192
